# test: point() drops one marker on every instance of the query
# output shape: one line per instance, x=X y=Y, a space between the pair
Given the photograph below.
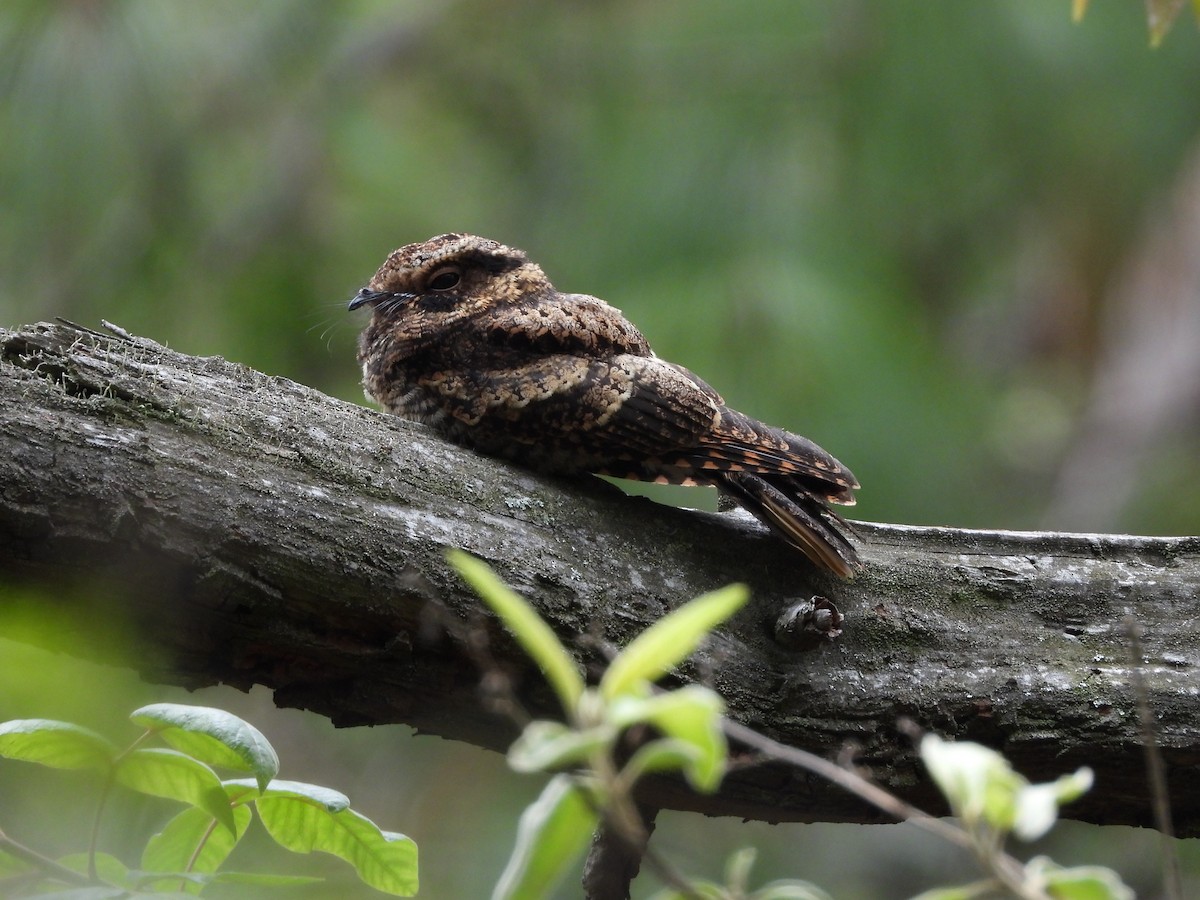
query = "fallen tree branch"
x=245 y=529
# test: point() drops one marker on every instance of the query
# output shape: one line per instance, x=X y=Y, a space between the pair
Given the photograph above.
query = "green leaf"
x=670 y=640
x=973 y=891
x=701 y=889
x=661 y=755
x=168 y=884
x=1036 y=811
x=978 y=782
x=533 y=634
x=1077 y=882
x=60 y=745
x=736 y=881
x=1071 y=787
x=692 y=703
x=737 y=869
x=790 y=889
x=190 y=843
x=385 y=860
x=244 y=789
x=212 y=736
x=691 y=714
x=108 y=867
x=11 y=865
x=168 y=773
x=264 y=879
x=99 y=892
x=1037 y=804
x=551 y=835
x=545 y=746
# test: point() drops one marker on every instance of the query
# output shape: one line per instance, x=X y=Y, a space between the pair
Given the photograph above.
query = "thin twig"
x=1004 y=868
x=45 y=864
x=848 y=780
x=626 y=820
x=1160 y=799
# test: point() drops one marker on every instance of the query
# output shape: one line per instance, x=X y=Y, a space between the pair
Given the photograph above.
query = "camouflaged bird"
x=470 y=337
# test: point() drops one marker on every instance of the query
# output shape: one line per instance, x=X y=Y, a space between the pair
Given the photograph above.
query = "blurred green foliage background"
x=957 y=244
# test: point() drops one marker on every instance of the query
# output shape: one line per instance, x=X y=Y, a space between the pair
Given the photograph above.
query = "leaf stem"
x=105 y=789
x=110 y=779
x=620 y=814
x=985 y=844
x=848 y=780
x=199 y=848
x=47 y=865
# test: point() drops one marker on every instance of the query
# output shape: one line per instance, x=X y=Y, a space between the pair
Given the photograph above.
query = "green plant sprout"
x=990 y=800
x=187 y=855
x=737 y=885
x=554 y=830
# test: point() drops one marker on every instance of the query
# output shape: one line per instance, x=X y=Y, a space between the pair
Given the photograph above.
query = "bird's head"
x=448 y=278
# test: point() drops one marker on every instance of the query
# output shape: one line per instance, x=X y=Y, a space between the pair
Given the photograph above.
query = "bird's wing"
x=575 y=376
x=640 y=417
x=687 y=435
x=692 y=430
x=577 y=413
x=573 y=324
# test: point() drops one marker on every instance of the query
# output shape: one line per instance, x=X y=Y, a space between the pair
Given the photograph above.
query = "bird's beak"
x=364 y=298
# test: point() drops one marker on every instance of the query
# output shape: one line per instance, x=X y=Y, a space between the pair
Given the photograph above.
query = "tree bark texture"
x=245 y=529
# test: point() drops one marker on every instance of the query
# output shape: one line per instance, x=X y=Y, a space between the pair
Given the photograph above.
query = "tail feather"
x=740 y=443
x=796 y=514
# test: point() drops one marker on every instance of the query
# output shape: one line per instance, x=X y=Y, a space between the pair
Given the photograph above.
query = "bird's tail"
x=798 y=515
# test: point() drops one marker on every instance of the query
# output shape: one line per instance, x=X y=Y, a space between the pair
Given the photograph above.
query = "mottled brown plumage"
x=470 y=337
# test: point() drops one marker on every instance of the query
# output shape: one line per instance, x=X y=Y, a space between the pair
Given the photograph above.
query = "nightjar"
x=470 y=337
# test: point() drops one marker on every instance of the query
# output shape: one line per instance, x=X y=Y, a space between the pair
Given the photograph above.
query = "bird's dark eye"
x=444 y=279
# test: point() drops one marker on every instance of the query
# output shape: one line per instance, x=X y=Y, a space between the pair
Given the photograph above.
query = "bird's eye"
x=444 y=279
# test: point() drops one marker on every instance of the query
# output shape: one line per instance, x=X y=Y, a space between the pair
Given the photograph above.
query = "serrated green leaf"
x=546 y=746
x=551 y=835
x=176 y=776
x=691 y=714
x=213 y=736
x=60 y=745
x=669 y=641
x=190 y=843
x=530 y=630
x=385 y=861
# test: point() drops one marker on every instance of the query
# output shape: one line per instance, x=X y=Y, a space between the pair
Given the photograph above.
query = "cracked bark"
x=245 y=529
